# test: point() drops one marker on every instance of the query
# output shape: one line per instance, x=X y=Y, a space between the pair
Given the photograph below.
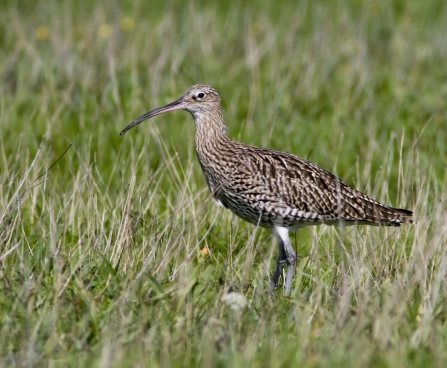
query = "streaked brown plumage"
x=269 y=188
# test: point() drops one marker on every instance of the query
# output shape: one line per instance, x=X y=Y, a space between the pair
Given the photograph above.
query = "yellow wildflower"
x=105 y=30
x=127 y=24
x=42 y=33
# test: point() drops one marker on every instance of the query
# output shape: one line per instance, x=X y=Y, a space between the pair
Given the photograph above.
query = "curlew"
x=268 y=188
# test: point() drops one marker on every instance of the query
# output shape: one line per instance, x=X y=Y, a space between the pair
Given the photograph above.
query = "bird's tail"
x=397 y=216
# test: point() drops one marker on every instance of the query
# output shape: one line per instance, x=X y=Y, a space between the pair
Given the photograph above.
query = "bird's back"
x=271 y=188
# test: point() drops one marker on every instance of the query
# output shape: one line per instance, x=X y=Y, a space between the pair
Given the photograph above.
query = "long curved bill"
x=176 y=105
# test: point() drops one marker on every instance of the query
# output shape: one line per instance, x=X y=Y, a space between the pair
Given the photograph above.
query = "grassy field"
x=101 y=235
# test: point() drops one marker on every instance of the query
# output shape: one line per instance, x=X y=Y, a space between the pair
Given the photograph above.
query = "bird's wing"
x=287 y=180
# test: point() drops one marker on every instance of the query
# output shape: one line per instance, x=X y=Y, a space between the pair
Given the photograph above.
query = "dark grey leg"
x=286 y=255
x=282 y=259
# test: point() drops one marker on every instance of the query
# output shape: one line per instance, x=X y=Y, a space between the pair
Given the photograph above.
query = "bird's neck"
x=211 y=133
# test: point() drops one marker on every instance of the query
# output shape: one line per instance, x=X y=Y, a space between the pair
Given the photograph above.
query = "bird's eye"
x=200 y=95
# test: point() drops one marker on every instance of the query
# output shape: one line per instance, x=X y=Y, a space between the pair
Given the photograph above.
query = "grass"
x=100 y=247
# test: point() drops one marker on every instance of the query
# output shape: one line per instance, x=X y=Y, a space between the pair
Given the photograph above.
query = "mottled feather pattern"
x=272 y=188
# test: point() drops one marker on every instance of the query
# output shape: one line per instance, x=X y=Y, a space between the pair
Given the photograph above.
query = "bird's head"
x=199 y=100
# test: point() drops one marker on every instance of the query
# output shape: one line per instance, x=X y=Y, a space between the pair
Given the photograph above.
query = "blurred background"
x=112 y=251
x=292 y=76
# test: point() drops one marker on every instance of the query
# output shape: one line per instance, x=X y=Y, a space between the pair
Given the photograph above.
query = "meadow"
x=112 y=252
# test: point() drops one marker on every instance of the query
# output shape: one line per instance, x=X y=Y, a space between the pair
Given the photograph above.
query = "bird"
x=269 y=188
